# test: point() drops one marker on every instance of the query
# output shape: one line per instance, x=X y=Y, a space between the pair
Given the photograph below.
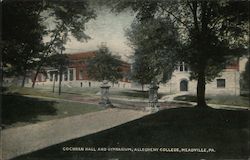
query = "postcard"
x=125 y=80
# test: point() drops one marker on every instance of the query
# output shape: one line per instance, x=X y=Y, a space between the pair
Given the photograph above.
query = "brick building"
x=76 y=73
x=76 y=76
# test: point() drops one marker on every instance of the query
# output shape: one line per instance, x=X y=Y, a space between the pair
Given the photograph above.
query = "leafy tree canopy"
x=155 y=42
x=142 y=72
x=212 y=32
x=25 y=22
x=22 y=35
x=58 y=60
x=105 y=66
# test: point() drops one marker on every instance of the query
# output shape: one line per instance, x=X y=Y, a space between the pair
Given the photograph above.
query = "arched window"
x=184 y=85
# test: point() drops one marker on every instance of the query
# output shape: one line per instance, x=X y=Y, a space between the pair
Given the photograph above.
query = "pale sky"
x=107 y=27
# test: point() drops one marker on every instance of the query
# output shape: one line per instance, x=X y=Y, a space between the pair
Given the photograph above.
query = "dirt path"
x=26 y=139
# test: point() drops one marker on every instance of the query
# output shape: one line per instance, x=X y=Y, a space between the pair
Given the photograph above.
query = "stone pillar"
x=74 y=74
x=105 y=102
x=63 y=75
x=53 y=77
x=68 y=74
x=153 y=105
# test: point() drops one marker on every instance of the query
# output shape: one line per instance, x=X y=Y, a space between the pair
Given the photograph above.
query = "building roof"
x=81 y=55
x=89 y=54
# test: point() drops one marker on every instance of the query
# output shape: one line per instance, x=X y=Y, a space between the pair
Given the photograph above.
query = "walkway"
x=170 y=98
x=26 y=139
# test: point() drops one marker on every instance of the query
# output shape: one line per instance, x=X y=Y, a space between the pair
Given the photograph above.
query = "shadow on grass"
x=227 y=132
x=17 y=108
x=3 y=89
x=220 y=99
x=188 y=98
x=137 y=94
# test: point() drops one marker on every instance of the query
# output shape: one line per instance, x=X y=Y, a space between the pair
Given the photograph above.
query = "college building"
x=228 y=83
x=76 y=73
x=76 y=76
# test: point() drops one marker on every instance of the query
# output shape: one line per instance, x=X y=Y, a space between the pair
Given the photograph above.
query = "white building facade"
x=227 y=84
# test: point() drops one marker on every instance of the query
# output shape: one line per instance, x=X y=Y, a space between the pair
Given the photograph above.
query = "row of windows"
x=182 y=67
x=221 y=83
x=71 y=75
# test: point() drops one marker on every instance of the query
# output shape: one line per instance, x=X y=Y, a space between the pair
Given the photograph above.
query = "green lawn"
x=18 y=110
x=67 y=93
x=225 y=100
x=126 y=93
x=85 y=92
x=224 y=131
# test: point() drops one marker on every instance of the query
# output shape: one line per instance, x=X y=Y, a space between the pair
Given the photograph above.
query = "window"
x=81 y=74
x=66 y=75
x=181 y=67
x=50 y=76
x=221 y=83
x=184 y=85
x=186 y=68
x=56 y=77
x=71 y=76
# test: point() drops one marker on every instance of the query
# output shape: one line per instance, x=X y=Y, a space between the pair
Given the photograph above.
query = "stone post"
x=105 y=102
x=153 y=105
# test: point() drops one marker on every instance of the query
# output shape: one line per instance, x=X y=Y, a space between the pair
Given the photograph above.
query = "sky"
x=107 y=27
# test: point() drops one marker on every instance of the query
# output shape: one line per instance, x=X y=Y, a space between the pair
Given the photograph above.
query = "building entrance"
x=184 y=85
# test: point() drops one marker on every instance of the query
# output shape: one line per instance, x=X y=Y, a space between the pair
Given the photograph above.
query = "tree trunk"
x=142 y=87
x=23 y=81
x=60 y=74
x=201 y=88
x=60 y=81
x=54 y=81
x=34 y=79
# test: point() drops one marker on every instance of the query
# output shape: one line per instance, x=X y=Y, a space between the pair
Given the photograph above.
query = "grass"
x=129 y=93
x=231 y=100
x=18 y=110
x=67 y=93
x=224 y=100
x=225 y=131
x=85 y=92
x=132 y=93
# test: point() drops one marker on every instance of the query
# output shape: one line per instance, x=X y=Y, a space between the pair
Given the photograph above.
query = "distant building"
x=227 y=84
x=76 y=74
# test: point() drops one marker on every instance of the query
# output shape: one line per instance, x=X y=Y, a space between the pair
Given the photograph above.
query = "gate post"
x=105 y=102
x=153 y=105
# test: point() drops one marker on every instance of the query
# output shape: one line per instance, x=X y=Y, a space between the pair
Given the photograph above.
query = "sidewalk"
x=170 y=98
x=167 y=98
x=26 y=139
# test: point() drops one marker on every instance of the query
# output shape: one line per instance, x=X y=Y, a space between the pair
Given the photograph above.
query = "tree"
x=155 y=42
x=69 y=18
x=212 y=32
x=22 y=35
x=60 y=63
x=24 y=29
x=141 y=71
x=104 y=66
